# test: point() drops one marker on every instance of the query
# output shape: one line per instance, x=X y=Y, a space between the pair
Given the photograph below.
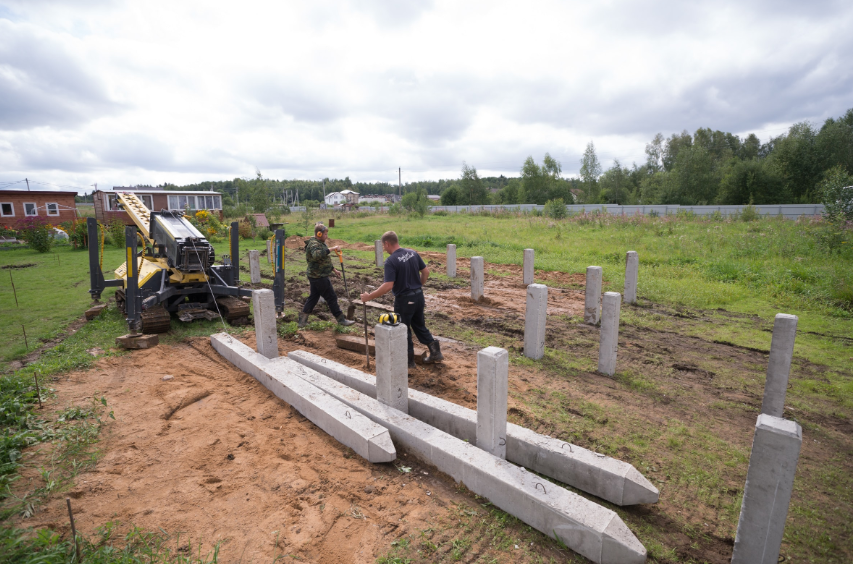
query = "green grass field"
x=770 y=263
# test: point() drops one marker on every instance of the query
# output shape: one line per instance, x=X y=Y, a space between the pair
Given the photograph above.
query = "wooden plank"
x=377 y=305
x=95 y=311
x=353 y=343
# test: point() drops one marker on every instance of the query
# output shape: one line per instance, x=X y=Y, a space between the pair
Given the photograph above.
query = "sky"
x=119 y=93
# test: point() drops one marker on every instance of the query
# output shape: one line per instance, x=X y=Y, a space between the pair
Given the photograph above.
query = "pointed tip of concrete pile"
x=619 y=545
x=638 y=489
x=281 y=376
x=381 y=449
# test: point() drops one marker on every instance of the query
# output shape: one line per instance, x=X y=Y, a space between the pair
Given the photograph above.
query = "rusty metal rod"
x=14 y=291
x=366 y=342
x=73 y=529
x=38 y=390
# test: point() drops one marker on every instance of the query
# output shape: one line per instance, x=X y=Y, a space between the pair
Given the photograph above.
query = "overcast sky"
x=124 y=93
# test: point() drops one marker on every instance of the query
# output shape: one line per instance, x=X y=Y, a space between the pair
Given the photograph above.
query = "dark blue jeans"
x=322 y=287
x=410 y=307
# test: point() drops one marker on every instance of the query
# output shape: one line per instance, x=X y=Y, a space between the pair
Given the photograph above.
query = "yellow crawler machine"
x=174 y=272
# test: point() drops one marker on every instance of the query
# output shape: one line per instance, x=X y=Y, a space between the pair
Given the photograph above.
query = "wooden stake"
x=73 y=529
x=14 y=291
x=38 y=390
x=26 y=344
x=366 y=345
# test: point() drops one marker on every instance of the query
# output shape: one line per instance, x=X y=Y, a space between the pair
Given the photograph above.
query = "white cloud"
x=124 y=92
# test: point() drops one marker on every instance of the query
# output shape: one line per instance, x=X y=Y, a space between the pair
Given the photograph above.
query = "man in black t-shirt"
x=405 y=274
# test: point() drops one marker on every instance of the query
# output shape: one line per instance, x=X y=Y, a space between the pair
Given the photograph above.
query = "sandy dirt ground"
x=200 y=447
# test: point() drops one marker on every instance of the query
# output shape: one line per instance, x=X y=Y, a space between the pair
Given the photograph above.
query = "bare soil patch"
x=212 y=453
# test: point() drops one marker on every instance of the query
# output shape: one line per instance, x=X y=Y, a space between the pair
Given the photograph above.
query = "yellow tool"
x=389 y=319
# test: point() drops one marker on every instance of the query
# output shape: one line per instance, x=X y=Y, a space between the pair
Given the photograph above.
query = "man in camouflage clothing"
x=318 y=256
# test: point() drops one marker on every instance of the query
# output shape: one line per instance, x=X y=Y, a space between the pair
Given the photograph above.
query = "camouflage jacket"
x=317 y=255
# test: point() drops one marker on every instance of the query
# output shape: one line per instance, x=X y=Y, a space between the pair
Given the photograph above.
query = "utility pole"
x=324 y=190
x=400 y=180
x=28 y=184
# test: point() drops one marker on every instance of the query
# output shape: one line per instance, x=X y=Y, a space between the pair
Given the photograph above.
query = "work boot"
x=412 y=365
x=434 y=353
x=342 y=320
x=303 y=320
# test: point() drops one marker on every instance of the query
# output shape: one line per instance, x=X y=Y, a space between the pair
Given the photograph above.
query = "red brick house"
x=16 y=205
x=155 y=199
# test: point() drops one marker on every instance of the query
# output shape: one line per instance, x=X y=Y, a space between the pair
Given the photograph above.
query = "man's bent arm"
x=380 y=291
x=424 y=276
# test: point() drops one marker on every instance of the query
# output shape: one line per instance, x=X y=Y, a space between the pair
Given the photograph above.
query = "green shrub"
x=245 y=230
x=416 y=203
x=749 y=213
x=441 y=213
x=37 y=232
x=115 y=229
x=555 y=209
x=77 y=232
x=836 y=191
x=264 y=233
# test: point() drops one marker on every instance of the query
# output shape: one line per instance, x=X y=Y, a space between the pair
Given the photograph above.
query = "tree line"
x=715 y=167
x=707 y=167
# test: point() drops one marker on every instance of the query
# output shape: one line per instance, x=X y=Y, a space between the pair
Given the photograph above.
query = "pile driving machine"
x=174 y=271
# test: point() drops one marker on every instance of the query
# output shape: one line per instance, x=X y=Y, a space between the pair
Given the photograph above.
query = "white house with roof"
x=335 y=199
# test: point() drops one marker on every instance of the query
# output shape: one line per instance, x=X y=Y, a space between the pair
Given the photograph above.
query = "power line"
x=59 y=185
x=7 y=184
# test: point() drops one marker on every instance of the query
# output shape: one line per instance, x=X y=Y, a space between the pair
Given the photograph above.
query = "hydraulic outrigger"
x=174 y=272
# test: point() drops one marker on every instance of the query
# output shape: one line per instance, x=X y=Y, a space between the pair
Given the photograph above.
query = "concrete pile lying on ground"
x=369 y=440
x=610 y=479
x=584 y=526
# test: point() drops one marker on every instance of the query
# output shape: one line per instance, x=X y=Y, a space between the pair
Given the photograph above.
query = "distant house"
x=155 y=199
x=335 y=199
x=352 y=197
x=433 y=197
x=373 y=199
x=260 y=219
x=16 y=205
